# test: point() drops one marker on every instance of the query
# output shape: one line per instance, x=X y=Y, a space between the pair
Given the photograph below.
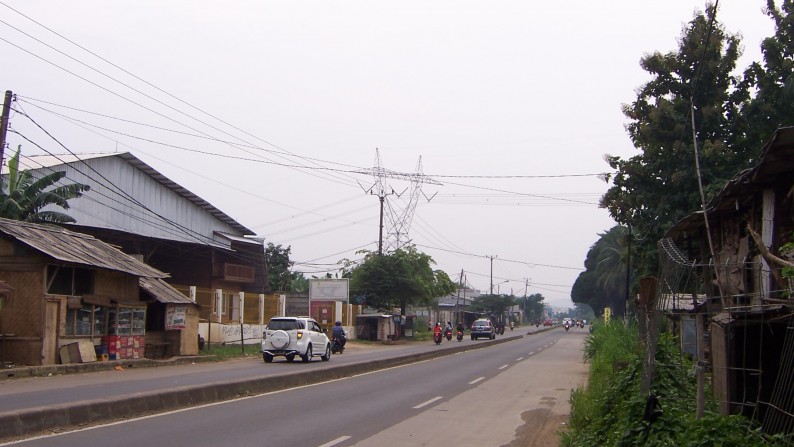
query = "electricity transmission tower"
x=397 y=208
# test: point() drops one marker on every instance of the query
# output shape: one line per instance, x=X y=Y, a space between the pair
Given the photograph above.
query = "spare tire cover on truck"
x=279 y=339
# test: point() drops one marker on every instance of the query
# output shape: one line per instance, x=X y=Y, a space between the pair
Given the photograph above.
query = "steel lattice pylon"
x=398 y=207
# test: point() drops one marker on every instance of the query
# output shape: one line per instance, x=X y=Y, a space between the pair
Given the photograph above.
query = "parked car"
x=291 y=336
x=483 y=328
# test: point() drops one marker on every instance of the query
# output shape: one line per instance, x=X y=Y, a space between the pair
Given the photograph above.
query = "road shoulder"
x=525 y=405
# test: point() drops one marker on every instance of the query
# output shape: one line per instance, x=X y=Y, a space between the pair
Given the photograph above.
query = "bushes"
x=611 y=410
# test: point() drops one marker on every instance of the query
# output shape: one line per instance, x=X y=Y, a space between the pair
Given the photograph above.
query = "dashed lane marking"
x=424 y=404
x=476 y=380
x=336 y=441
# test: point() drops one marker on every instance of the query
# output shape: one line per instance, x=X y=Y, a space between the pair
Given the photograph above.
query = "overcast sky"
x=511 y=106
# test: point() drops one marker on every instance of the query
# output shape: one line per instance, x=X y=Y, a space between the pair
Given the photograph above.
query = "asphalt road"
x=481 y=393
x=32 y=392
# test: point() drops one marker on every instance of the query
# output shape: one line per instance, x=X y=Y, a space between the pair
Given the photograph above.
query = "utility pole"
x=491 y=257
x=380 y=228
x=526 y=287
x=4 y=123
x=457 y=300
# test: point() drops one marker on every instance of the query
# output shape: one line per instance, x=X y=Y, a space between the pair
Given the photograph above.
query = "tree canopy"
x=603 y=283
x=733 y=114
x=533 y=307
x=279 y=268
x=25 y=197
x=398 y=279
x=493 y=305
x=659 y=186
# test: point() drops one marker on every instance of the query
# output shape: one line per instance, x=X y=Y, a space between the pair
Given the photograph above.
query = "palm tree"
x=611 y=266
x=25 y=196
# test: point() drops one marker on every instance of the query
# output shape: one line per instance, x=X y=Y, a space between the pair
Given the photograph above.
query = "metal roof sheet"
x=42 y=161
x=77 y=248
x=162 y=291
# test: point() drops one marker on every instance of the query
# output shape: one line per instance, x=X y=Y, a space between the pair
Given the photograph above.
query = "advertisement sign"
x=327 y=289
x=175 y=317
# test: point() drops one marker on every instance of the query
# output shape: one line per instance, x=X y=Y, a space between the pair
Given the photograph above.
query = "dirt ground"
x=540 y=429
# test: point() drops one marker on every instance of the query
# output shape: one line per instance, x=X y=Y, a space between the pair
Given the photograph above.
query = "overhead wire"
x=149 y=83
x=120 y=96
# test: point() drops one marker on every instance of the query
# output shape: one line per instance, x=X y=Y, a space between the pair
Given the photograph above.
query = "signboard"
x=327 y=289
x=175 y=318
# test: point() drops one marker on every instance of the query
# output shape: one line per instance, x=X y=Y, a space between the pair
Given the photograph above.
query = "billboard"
x=328 y=289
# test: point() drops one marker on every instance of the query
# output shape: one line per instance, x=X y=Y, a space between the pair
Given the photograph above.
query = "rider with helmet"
x=338 y=332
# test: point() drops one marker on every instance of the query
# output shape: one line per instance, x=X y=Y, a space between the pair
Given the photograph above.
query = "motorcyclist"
x=448 y=329
x=437 y=330
x=460 y=327
x=338 y=332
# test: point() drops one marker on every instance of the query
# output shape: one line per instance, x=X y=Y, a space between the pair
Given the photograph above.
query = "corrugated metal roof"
x=162 y=291
x=42 y=161
x=76 y=248
x=776 y=160
x=245 y=240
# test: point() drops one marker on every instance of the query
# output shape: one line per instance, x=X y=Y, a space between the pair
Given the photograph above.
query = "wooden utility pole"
x=4 y=123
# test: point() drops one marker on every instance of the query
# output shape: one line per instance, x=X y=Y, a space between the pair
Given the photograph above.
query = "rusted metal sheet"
x=76 y=248
x=162 y=291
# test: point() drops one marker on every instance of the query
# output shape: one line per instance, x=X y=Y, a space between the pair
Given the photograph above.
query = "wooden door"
x=49 y=348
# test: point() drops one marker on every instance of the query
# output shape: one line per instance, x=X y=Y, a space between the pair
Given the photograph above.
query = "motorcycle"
x=336 y=346
x=460 y=335
x=448 y=334
x=511 y=325
x=437 y=338
x=566 y=327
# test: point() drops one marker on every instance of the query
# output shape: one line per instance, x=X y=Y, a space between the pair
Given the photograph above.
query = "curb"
x=74 y=368
x=80 y=414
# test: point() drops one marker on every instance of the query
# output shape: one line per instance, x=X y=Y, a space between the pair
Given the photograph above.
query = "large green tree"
x=654 y=189
x=397 y=279
x=24 y=197
x=603 y=283
x=772 y=82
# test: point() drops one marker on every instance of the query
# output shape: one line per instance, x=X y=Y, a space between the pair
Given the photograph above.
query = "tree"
x=603 y=283
x=656 y=188
x=493 y=305
x=26 y=197
x=772 y=81
x=397 y=279
x=533 y=307
x=278 y=268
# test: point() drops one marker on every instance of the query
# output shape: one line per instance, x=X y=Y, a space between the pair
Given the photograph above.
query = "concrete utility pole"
x=491 y=257
x=4 y=123
x=457 y=300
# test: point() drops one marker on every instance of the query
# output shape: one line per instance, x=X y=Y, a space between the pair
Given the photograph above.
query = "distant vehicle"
x=548 y=322
x=567 y=321
x=291 y=336
x=483 y=328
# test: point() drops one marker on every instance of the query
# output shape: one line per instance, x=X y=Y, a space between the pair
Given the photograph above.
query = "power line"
x=531 y=264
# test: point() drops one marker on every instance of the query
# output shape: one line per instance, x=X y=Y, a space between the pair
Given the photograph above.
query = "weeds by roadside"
x=612 y=411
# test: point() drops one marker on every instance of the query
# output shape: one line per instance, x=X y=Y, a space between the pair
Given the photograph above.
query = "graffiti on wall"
x=230 y=333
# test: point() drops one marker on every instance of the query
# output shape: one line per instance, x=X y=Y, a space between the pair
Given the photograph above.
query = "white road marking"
x=424 y=404
x=531 y=353
x=519 y=359
x=503 y=367
x=336 y=441
x=476 y=380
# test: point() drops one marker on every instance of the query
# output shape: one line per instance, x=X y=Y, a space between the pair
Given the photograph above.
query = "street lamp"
x=498 y=284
